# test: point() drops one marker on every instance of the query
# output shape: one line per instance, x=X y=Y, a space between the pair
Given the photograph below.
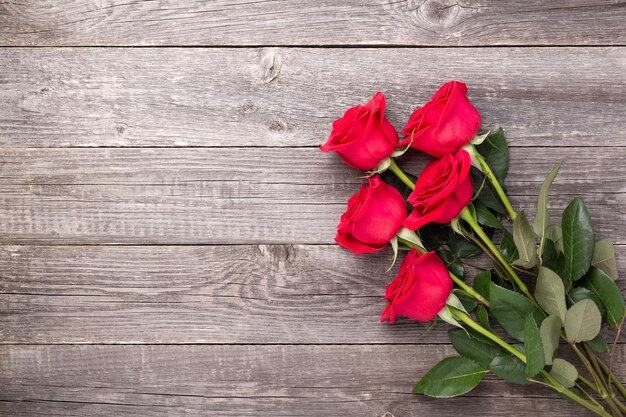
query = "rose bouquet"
x=545 y=328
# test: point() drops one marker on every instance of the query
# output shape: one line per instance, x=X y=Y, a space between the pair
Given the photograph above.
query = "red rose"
x=442 y=190
x=363 y=136
x=446 y=123
x=373 y=217
x=420 y=290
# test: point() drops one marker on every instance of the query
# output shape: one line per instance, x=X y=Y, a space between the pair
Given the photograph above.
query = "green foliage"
x=533 y=347
x=486 y=217
x=555 y=234
x=453 y=263
x=471 y=348
x=482 y=283
x=451 y=377
x=550 y=331
x=461 y=247
x=510 y=309
x=581 y=293
x=507 y=247
x=608 y=293
x=541 y=218
x=495 y=150
x=578 y=239
x=508 y=367
x=604 y=258
x=582 y=321
x=550 y=293
x=564 y=372
x=598 y=344
x=524 y=239
x=482 y=316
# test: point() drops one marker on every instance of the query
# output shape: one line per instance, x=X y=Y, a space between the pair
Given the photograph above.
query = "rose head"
x=373 y=217
x=420 y=290
x=446 y=123
x=363 y=136
x=442 y=190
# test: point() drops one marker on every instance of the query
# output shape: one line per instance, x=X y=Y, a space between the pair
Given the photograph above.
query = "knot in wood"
x=270 y=61
x=439 y=15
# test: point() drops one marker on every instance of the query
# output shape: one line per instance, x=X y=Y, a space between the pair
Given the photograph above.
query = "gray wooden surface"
x=167 y=221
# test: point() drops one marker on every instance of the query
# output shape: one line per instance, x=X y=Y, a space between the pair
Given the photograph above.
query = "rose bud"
x=442 y=190
x=446 y=123
x=420 y=290
x=373 y=217
x=363 y=137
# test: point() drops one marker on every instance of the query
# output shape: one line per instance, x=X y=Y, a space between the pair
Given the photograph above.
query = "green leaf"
x=486 y=217
x=524 y=239
x=453 y=263
x=581 y=293
x=541 y=218
x=550 y=293
x=451 y=377
x=495 y=150
x=578 y=239
x=555 y=234
x=466 y=300
x=607 y=291
x=468 y=347
x=461 y=247
x=485 y=193
x=582 y=321
x=509 y=368
x=510 y=309
x=434 y=235
x=507 y=247
x=551 y=258
x=550 y=331
x=482 y=316
x=598 y=344
x=604 y=258
x=564 y=372
x=482 y=283
x=535 y=359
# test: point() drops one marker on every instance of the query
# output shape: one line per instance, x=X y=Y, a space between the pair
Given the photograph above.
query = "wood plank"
x=250 y=381
x=202 y=294
x=358 y=22
x=244 y=195
x=289 y=97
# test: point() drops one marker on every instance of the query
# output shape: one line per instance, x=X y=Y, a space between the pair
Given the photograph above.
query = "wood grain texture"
x=250 y=381
x=300 y=22
x=244 y=195
x=53 y=97
x=202 y=294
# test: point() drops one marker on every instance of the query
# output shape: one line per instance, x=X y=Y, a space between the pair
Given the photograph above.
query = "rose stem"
x=471 y=291
x=496 y=185
x=469 y=219
x=552 y=383
x=396 y=170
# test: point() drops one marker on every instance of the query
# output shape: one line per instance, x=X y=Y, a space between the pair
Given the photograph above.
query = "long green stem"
x=496 y=185
x=614 y=378
x=466 y=215
x=553 y=383
x=401 y=175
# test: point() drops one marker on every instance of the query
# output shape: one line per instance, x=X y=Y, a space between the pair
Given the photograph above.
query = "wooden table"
x=167 y=220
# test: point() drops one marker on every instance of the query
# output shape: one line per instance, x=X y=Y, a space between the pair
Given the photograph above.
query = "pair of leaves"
x=606 y=291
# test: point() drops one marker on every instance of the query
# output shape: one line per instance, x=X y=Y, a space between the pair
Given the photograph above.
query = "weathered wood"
x=289 y=97
x=359 y=22
x=201 y=294
x=245 y=195
x=250 y=381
